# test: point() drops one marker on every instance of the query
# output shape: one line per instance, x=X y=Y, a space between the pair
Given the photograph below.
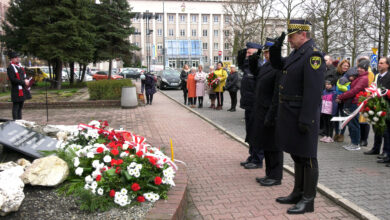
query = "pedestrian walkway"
x=219 y=187
x=351 y=174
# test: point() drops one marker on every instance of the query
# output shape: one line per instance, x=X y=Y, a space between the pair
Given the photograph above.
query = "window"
x=148 y=46
x=204 y=18
x=136 y=30
x=193 y=18
x=205 y=59
x=160 y=59
x=193 y=32
x=159 y=32
x=227 y=46
x=170 y=18
x=182 y=18
x=216 y=19
x=136 y=19
x=216 y=59
x=226 y=58
x=137 y=44
x=227 y=19
x=170 y=32
x=204 y=46
x=205 y=33
x=216 y=33
x=182 y=32
x=215 y=46
x=226 y=32
x=159 y=46
x=159 y=17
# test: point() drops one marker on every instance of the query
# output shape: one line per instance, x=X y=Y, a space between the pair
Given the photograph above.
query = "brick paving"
x=353 y=175
x=219 y=187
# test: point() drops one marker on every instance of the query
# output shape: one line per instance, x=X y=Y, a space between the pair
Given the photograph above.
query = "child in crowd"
x=344 y=84
x=328 y=110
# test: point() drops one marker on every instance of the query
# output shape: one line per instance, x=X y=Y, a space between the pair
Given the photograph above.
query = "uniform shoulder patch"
x=315 y=62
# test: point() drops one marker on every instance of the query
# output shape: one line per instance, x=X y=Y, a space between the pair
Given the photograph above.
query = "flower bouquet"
x=113 y=168
x=374 y=107
x=212 y=80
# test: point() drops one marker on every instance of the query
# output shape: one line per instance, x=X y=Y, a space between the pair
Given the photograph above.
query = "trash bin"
x=129 y=97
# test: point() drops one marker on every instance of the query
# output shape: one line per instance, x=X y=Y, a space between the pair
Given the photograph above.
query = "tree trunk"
x=58 y=72
x=386 y=27
x=109 y=69
x=83 y=72
x=71 y=77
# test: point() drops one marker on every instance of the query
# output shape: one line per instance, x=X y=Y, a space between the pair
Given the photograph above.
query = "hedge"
x=107 y=89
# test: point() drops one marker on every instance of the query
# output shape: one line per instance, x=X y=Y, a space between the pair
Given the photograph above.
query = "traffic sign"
x=374 y=61
x=374 y=50
x=219 y=53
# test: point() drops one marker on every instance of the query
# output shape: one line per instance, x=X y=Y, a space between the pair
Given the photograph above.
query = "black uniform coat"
x=265 y=108
x=15 y=83
x=302 y=79
x=248 y=86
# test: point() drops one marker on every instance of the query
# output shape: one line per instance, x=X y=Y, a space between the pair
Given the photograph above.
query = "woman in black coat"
x=232 y=86
x=183 y=77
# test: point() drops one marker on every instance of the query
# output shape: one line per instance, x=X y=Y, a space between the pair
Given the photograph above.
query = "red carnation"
x=113 y=162
x=135 y=187
x=367 y=109
x=114 y=152
x=141 y=199
x=157 y=180
x=119 y=162
x=99 y=150
x=118 y=170
x=98 y=177
x=112 y=193
x=383 y=114
x=139 y=153
x=152 y=161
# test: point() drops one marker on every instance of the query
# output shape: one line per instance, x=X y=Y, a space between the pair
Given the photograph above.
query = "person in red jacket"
x=357 y=85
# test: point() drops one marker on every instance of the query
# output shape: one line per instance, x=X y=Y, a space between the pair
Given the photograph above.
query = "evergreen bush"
x=107 y=89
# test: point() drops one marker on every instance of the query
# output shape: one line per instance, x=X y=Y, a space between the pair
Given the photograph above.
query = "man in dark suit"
x=382 y=80
x=248 y=61
x=298 y=117
x=262 y=133
x=19 y=84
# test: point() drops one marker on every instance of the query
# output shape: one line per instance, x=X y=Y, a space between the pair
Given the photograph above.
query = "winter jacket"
x=357 y=85
x=330 y=95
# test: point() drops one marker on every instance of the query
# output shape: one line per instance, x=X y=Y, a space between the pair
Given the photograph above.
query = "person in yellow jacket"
x=222 y=75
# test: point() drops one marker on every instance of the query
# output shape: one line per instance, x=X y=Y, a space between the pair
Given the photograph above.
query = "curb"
x=174 y=207
x=338 y=199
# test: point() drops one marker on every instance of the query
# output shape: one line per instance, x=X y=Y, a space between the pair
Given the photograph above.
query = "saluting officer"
x=248 y=61
x=299 y=111
x=262 y=133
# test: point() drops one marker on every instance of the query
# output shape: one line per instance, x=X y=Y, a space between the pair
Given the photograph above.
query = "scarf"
x=15 y=65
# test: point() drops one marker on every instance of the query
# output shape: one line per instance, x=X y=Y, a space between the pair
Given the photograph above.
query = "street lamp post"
x=380 y=30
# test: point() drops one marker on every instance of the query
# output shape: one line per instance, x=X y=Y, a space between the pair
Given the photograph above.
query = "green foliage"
x=107 y=89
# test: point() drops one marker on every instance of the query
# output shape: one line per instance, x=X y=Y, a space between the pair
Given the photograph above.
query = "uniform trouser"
x=364 y=131
x=274 y=164
x=17 y=110
x=233 y=98
x=378 y=141
x=306 y=175
x=256 y=155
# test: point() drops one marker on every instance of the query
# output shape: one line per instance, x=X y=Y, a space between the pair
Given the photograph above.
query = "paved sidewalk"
x=220 y=188
x=351 y=174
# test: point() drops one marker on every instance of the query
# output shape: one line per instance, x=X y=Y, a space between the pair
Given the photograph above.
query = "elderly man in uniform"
x=262 y=133
x=248 y=61
x=298 y=117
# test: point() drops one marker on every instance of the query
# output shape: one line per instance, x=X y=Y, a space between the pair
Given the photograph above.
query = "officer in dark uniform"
x=249 y=62
x=299 y=111
x=262 y=133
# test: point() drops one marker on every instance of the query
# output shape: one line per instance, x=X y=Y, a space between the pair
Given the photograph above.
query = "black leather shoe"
x=258 y=179
x=293 y=198
x=253 y=165
x=382 y=155
x=363 y=143
x=384 y=160
x=270 y=182
x=305 y=205
x=233 y=110
x=371 y=152
x=245 y=162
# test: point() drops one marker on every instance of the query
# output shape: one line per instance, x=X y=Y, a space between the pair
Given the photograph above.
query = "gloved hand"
x=240 y=58
x=303 y=128
x=276 y=52
x=254 y=62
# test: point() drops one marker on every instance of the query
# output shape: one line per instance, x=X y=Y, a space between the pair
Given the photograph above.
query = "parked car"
x=104 y=75
x=130 y=73
x=168 y=79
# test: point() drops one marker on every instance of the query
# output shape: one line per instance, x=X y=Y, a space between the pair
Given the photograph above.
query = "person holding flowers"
x=357 y=85
x=222 y=75
x=210 y=90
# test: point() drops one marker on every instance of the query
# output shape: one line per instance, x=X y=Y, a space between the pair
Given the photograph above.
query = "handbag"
x=327 y=105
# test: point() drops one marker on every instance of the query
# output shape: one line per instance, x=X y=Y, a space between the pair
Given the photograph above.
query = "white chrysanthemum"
x=365 y=114
x=95 y=164
x=96 y=173
x=125 y=146
x=371 y=112
x=90 y=155
x=125 y=198
x=131 y=172
x=123 y=154
x=88 y=179
x=100 y=191
x=94 y=123
x=139 y=166
x=107 y=159
x=86 y=186
x=168 y=172
x=78 y=153
x=133 y=164
x=123 y=191
x=132 y=156
x=94 y=185
x=76 y=161
x=93 y=190
x=137 y=174
x=79 y=171
x=376 y=119
x=379 y=113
